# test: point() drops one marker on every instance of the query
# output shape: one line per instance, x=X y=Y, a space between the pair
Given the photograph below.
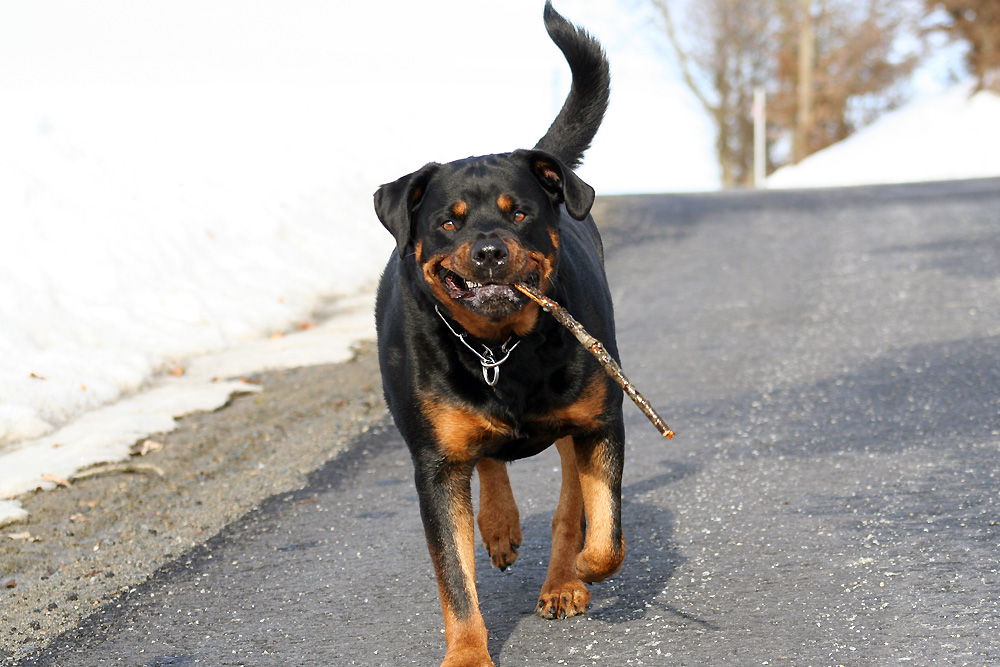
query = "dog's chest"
x=517 y=422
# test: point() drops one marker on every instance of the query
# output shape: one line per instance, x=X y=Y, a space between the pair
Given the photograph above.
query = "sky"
x=186 y=185
x=443 y=78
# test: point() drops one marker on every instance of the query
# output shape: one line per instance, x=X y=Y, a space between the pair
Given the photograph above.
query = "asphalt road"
x=830 y=361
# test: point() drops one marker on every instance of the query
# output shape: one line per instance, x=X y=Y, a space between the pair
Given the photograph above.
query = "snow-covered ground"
x=952 y=135
x=185 y=185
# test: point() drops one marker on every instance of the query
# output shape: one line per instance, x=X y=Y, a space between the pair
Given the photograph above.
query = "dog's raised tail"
x=574 y=128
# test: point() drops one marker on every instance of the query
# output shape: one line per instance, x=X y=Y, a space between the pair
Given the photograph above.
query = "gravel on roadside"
x=83 y=545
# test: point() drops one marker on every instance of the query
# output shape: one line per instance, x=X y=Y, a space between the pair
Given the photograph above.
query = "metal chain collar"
x=488 y=360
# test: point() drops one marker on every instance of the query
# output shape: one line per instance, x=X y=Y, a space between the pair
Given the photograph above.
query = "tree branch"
x=597 y=349
x=682 y=56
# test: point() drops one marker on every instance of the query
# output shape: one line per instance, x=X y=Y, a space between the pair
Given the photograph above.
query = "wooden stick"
x=109 y=468
x=598 y=350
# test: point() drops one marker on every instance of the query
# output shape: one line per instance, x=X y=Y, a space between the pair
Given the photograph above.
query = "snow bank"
x=952 y=135
x=166 y=231
x=143 y=228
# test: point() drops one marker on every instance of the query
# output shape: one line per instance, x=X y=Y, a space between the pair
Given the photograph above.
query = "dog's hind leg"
x=499 y=521
x=564 y=593
x=600 y=462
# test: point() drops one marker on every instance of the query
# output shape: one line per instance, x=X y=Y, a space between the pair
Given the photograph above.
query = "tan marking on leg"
x=466 y=638
x=499 y=520
x=466 y=645
x=564 y=594
x=600 y=557
x=465 y=631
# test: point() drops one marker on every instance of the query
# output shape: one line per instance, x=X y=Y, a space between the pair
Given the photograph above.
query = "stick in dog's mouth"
x=597 y=349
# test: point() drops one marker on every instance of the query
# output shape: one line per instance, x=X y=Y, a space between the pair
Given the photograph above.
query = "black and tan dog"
x=476 y=375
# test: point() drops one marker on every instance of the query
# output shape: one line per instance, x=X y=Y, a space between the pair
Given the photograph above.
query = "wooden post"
x=804 y=115
x=759 y=137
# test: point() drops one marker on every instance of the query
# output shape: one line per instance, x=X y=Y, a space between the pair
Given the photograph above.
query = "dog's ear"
x=560 y=180
x=395 y=203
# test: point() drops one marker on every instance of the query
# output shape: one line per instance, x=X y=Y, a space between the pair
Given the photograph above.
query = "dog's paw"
x=467 y=658
x=501 y=537
x=562 y=600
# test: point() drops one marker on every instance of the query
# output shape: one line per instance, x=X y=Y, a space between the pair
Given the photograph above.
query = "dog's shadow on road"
x=508 y=599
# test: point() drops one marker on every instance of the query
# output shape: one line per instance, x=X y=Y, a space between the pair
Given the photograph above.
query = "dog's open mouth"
x=496 y=297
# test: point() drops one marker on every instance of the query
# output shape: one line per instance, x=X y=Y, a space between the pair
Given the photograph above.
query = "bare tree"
x=722 y=59
x=976 y=22
x=829 y=66
x=857 y=67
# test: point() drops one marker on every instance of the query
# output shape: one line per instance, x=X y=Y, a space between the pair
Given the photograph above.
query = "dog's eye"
x=519 y=216
x=449 y=225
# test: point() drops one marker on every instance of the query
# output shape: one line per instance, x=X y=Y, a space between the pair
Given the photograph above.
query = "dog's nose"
x=489 y=253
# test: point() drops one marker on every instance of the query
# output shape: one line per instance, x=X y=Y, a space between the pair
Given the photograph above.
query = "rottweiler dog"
x=476 y=375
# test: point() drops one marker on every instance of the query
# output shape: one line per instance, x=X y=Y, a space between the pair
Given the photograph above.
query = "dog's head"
x=475 y=227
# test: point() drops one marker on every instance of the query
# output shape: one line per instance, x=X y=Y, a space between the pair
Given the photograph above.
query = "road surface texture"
x=830 y=361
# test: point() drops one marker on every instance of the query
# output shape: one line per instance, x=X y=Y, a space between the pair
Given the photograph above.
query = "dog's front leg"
x=499 y=520
x=445 y=493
